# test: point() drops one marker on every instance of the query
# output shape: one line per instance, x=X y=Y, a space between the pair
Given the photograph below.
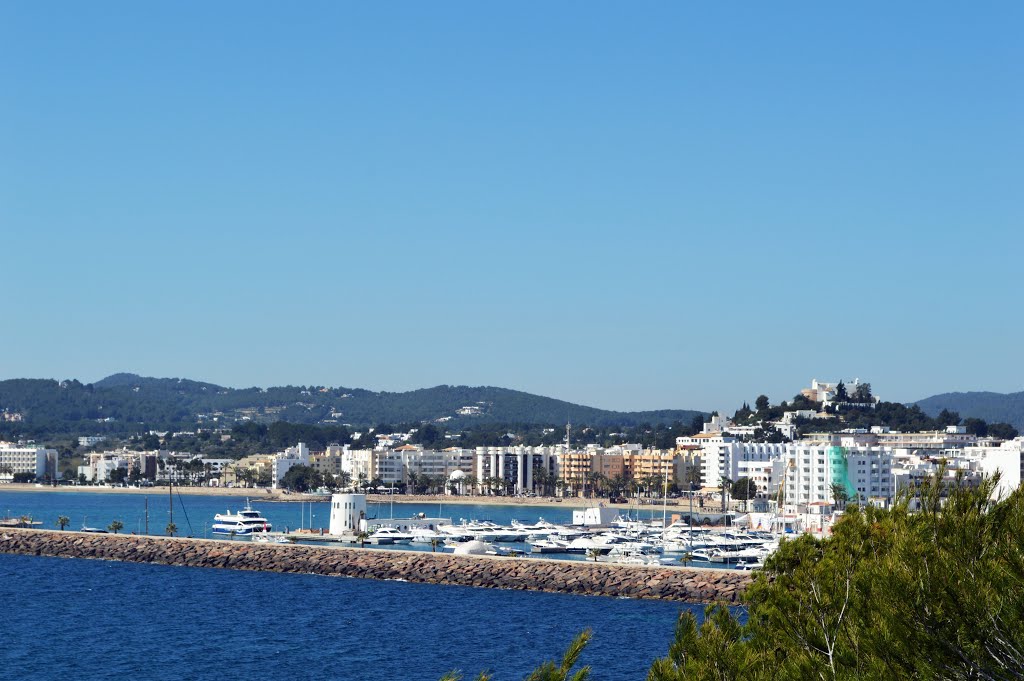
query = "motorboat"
x=629 y=557
x=588 y=544
x=243 y=523
x=549 y=546
x=389 y=535
x=262 y=538
x=423 y=535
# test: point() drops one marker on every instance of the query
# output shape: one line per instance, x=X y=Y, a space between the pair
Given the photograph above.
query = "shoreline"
x=262 y=494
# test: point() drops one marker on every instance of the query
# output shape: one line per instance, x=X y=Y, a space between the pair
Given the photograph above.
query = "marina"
x=636 y=537
x=621 y=540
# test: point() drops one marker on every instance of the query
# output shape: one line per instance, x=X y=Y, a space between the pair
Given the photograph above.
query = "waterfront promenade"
x=690 y=585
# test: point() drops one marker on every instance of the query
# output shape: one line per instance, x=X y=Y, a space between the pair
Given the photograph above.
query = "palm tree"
x=726 y=484
x=839 y=495
x=540 y=480
x=171 y=529
x=116 y=526
x=63 y=521
x=594 y=553
x=362 y=536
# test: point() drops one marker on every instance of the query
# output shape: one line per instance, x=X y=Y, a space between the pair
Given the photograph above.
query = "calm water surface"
x=88 y=620
x=99 y=509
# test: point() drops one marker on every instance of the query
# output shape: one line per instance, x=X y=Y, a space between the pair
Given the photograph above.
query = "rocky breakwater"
x=691 y=585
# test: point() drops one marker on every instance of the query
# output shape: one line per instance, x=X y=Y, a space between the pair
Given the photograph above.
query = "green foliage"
x=63 y=521
x=116 y=526
x=891 y=595
x=302 y=479
x=714 y=650
x=841 y=394
x=893 y=414
x=992 y=407
x=560 y=671
x=743 y=489
x=125 y=404
x=1002 y=430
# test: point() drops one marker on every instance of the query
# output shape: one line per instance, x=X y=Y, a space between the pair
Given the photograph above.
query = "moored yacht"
x=244 y=522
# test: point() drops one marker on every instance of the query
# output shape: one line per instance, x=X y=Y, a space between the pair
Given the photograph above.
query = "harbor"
x=637 y=536
x=690 y=585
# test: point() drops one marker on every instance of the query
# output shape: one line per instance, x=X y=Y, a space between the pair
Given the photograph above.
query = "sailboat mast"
x=664 y=503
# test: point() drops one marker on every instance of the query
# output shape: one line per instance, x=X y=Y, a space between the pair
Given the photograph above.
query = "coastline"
x=279 y=495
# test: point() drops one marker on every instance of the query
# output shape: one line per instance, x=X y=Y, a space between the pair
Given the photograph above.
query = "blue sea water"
x=197 y=511
x=91 y=620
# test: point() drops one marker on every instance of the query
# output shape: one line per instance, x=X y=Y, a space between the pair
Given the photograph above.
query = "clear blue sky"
x=627 y=206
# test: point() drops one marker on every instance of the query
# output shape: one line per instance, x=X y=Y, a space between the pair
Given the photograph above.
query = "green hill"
x=126 y=403
x=992 y=407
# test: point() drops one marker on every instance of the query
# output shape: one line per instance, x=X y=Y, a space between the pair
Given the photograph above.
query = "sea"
x=81 y=619
x=193 y=514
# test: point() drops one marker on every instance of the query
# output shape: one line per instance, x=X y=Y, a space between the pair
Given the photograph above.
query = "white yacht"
x=389 y=535
x=423 y=535
x=243 y=523
x=549 y=546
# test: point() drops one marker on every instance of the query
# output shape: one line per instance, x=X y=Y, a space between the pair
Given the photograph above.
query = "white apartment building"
x=26 y=459
x=517 y=465
x=811 y=468
x=1007 y=459
x=725 y=458
x=101 y=465
x=282 y=462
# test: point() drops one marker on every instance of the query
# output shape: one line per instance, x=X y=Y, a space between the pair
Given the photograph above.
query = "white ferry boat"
x=244 y=523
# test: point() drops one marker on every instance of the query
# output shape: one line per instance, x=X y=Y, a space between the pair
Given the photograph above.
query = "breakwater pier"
x=690 y=585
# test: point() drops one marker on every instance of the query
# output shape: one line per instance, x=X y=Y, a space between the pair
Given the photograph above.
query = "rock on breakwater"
x=692 y=585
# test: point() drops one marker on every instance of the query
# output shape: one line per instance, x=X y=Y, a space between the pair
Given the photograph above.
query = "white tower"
x=348 y=513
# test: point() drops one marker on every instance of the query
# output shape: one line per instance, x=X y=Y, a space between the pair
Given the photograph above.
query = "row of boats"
x=623 y=541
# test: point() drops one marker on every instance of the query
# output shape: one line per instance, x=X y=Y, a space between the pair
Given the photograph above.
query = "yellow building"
x=574 y=468
x=246 y=471
x=653 y=463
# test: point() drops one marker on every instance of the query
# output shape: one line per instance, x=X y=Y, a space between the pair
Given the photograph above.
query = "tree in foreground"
x=937 y=594
x=116 y=526
x=62 y=521
x=891 y=595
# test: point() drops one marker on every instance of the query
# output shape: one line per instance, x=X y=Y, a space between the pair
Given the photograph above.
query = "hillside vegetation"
x=992 y=407
x=126 y=403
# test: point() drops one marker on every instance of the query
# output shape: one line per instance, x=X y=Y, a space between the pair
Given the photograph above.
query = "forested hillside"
x=993 y=407
x=126 y=403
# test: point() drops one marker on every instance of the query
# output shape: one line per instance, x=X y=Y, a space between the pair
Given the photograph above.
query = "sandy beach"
x=282 y=495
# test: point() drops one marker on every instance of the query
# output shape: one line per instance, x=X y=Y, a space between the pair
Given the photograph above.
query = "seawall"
x=691 y=585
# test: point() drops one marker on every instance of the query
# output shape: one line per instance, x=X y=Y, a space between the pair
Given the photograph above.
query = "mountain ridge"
x=993 y=407
x=126 y=401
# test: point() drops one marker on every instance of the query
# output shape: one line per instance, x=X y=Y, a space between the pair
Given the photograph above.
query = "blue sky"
x=666 y=205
